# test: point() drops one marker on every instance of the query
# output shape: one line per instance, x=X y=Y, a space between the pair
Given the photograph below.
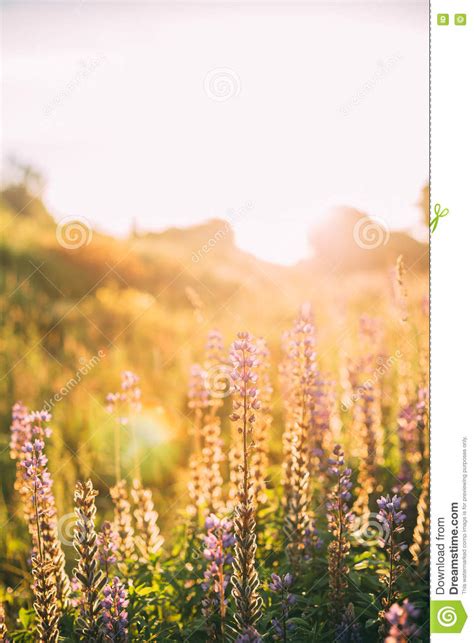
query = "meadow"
x=212 y=450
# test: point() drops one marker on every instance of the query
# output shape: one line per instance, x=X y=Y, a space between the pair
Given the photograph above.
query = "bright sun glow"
x=127 y=125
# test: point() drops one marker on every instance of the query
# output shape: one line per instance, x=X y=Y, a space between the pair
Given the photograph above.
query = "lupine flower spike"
x=282 y=629
x=261 y=434
x=421 y=532
x=348 y=630
x=44 y=569
x=87 y=572
x=147 y=534
x=197 y=403
x=339 y=522
x=45 y=604
x=400 y=619
x=215 y=369
x=299 y=417
x=114 y=616
x=218 y=545
x=27 y=447
x=122 y=523
x=107 y=546
x=392 y=519
x=245 y=581
x=125 y=403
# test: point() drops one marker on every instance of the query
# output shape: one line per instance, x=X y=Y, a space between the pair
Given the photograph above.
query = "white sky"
x=138 y=136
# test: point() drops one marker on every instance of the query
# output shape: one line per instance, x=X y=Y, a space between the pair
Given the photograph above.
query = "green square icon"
x=443 y=18
x=459 y=18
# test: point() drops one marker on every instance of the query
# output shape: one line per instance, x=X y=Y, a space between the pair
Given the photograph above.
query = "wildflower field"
x=299 y=513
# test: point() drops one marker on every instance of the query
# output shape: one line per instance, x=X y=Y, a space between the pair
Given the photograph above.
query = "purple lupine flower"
x=392 y=519
x=299 y=434
x=348 y=630
x=390 y=512
x=124 y=403
x=249 y=635
x=339 y=520
x=311 y=540
x=76 y=589
x=20 y=430
x=218 y=544
x=107 y=545
x=38 y=421
x=127 y=400
x=114 y=616
x=281 y=586
x=400 y=619
x=34 y=463
x=245 y=402
x=198 y=397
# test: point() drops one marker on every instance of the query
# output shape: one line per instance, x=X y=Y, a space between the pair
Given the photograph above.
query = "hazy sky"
x=119 y=104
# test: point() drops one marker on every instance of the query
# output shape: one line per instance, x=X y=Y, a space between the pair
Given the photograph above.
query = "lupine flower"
x=20 y=434
x=422 y=418
x=45 y=603
x=107 y=546
x=311 y=540
x=408 y=437
x=147 y=533
x=261 y=432
x=339 y=520
x=197 y=402
x=320 y=426
x=400 y=618
x=249 y=635
x=370 y=329
x=87 y=572
x=367 y=416
x=125 y=403
x=281 y=587
x=122 y=523
x=392 y=519
x=421 y=531
x=245 y=582
x=213 y=456
x=20 y=430
x=212 y=452
x=401 y=290
x=114 y=615
x=40 y=511
x=76 y=593
x=348 y=630
x=38 y=422
x=218 y=545
x=300 y=406
x=44 y=568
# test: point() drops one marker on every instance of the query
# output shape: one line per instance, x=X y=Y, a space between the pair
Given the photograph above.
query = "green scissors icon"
x=439 y=214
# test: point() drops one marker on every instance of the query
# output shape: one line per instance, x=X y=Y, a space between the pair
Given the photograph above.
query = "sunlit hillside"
x=79 y=308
